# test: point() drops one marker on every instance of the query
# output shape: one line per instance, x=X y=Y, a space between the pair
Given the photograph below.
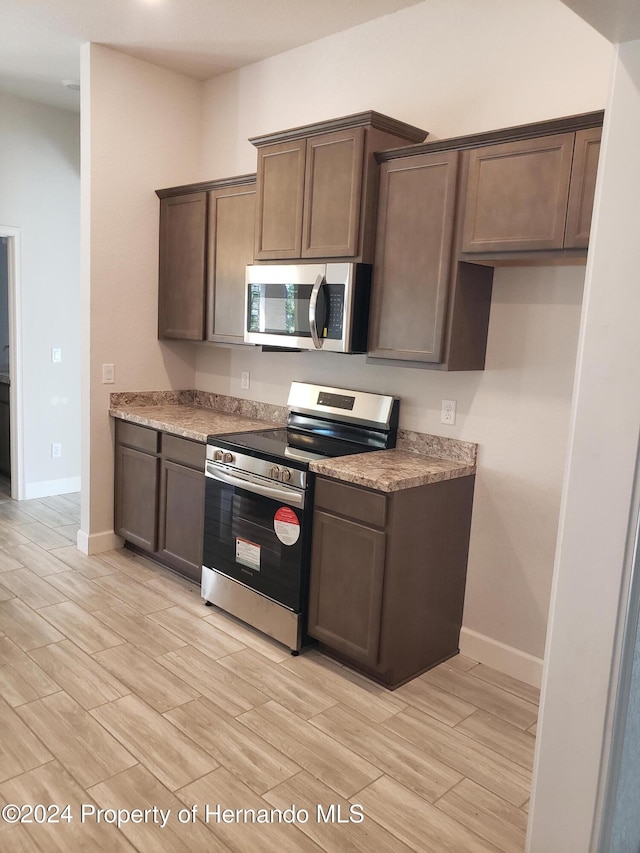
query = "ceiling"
x=617 y=20
x=40 y=39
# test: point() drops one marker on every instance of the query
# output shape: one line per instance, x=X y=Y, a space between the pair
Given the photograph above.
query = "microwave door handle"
x=313 y=306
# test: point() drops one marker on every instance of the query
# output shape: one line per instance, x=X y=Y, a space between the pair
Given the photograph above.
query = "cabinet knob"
x=227 y=457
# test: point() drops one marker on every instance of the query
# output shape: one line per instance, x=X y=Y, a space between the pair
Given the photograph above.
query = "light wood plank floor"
x=120 y=690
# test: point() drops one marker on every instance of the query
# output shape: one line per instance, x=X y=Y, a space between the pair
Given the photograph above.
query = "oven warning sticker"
x=286 y=526
x=248 y=554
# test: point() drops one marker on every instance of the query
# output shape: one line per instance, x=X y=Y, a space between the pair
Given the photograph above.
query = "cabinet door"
x=183 y=224
x=280 y=180
x=181 y=518
x=136 y=497
x=345 y=596
x=230 y=249
x=333 y=190
x=583 y=187
x=412 y=269
x=517 y=195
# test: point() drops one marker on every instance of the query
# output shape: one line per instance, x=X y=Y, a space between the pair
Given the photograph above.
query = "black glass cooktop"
x=280 y=444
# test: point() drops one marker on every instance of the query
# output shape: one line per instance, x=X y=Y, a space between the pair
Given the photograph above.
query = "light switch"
x=56 y=355
x=108 y=374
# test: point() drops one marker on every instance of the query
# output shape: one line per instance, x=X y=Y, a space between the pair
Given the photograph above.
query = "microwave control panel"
x=335 y=311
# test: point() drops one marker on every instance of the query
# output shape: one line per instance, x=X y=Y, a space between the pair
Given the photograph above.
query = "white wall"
x=448 y=66
x=141 y=130
x=452 y=67
x=600 y=507
x=40 y=195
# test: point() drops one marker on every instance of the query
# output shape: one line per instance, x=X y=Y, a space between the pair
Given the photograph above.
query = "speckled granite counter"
x=391 y=470
x=188 y=421
x=417 y=460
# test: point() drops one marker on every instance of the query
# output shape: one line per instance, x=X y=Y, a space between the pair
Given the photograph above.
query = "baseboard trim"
x=499 y=656
x=96 y=543
x=47 y=488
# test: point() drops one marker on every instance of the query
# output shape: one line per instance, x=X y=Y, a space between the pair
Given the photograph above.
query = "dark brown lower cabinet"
x=347 y=590
x=137 y=497
x=159 y=495
x=181 y=518
x=388 y=575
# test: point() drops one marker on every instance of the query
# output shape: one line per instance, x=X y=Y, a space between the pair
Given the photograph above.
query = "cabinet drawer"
x=351 y=501
x=184 y=451
x=142 y=438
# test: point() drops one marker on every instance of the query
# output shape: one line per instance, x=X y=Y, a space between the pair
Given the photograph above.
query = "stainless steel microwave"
x=308 y=306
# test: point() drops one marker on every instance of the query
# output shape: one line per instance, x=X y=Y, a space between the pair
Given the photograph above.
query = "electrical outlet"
x=245 y=380
x=448 y=412
x=56 y=450
x=108 y=374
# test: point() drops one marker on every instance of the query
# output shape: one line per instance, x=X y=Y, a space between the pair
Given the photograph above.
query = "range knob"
x=227 y=457
x=275 y=472
x=217 y=456
x=285 y=475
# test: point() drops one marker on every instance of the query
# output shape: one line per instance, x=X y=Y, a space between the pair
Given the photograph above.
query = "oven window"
x=244 y=539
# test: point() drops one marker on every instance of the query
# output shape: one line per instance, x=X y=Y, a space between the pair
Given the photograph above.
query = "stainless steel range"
x=259 y=502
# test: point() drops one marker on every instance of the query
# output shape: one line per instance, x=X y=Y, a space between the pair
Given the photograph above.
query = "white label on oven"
x=286 y=526
x=248 y=554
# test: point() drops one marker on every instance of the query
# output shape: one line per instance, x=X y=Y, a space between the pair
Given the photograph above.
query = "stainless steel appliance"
x=259 y=502
x=308 y=306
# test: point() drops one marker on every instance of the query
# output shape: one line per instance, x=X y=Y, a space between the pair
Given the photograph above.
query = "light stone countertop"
x=382 y=470
x=391 y=470
x=187 y=421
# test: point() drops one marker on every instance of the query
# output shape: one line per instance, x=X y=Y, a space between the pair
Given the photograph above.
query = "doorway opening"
x=11 y=443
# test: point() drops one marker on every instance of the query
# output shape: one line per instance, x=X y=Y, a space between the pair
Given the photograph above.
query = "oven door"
x=256 y=532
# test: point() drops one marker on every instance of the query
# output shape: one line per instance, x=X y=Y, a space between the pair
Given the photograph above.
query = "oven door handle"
x=284 y=494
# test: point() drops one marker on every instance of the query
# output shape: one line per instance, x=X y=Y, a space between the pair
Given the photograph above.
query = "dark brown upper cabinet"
x=183 y=227
x=583 y=186
x=426 y=308
x=416 y=210
x=317 y=187
x=206 y=241
x=451 y=210
x=517 y=195
x=532 y=195
x=333 y=178
x=230 y=249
